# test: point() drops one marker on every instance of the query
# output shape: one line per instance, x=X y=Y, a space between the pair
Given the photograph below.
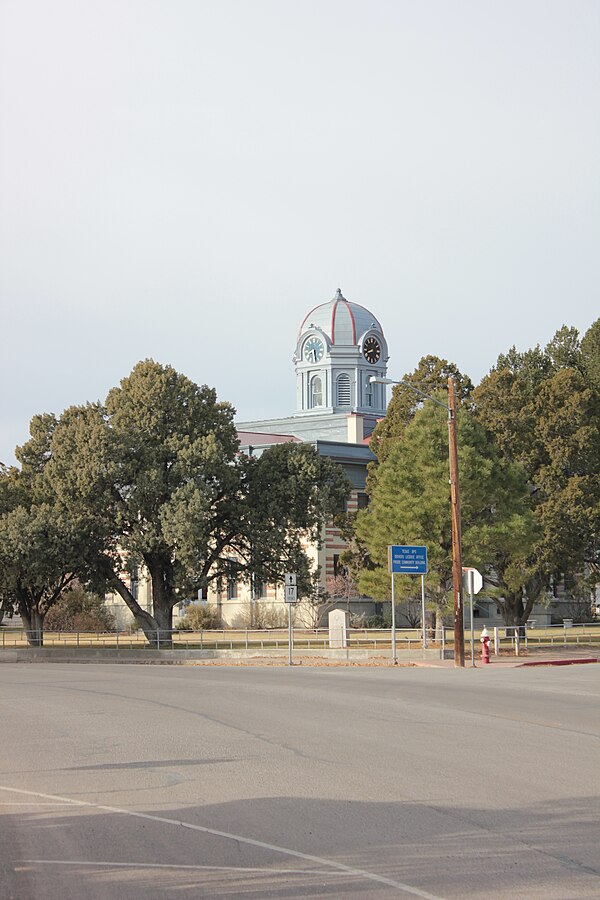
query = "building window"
x=369 y=393
x=259 y=589
x=232 y=587
x=343 y=390
x=362 y=500
x=338 y=569
x=316 y=392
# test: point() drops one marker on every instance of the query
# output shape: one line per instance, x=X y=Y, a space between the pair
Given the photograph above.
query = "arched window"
x=316 y=392
x=343 y=390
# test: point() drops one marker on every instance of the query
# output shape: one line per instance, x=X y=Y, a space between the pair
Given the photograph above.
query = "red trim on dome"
x=333 y=313
x=307 y=315
x=349 y=308
x=333 y=321
x=353 y=322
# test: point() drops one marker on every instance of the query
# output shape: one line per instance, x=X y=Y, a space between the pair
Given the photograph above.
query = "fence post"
x=565 y=634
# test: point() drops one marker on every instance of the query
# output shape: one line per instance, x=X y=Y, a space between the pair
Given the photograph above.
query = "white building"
x=339 y=347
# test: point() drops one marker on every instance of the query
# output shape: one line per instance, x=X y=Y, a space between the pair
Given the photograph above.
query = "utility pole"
x=459 y=628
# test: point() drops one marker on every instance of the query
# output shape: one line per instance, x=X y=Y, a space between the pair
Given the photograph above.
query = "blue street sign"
x=407 y=560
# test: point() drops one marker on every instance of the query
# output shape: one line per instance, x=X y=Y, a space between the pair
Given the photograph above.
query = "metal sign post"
x=473 y=582
x=423 y=612
x=290 y=637
x=291 y=596
x=407 y=560
x=472 y=622
x=394 y=653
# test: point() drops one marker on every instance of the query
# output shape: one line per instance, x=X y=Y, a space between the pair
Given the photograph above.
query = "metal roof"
x=341 y=320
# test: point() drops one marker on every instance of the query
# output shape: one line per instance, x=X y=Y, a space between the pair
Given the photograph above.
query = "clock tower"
x=340 y=346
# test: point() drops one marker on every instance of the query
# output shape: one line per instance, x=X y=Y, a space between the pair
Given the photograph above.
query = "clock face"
x=371 y=350
x=313 y=350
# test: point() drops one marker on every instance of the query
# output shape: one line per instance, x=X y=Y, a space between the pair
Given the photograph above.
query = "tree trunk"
x=37 y=627
x=34 y=625
x=143 y=619
x=162 y=602
x=515 y=609
x=158 y=627
x=31 y=618
x=6 y=608
x=164 y=623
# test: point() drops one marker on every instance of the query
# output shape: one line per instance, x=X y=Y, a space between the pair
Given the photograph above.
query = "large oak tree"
x=155 y=477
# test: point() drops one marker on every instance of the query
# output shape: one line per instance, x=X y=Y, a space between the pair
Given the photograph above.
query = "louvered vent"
x=343 y=390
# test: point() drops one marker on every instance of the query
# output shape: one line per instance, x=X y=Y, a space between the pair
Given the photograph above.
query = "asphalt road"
x=151 y=782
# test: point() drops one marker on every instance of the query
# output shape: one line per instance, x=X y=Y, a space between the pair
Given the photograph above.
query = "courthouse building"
x=340 y=345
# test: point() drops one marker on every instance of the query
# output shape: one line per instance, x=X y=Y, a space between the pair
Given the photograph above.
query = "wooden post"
x=459 y=628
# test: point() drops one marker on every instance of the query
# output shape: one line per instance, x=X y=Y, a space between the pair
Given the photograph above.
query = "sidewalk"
x=538 y=657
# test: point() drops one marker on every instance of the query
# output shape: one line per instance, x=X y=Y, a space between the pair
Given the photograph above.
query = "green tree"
x=156 y=477
x=543 y=411
x=39 y=548
x=431 y=375
x=590 y=354
x=410 y=504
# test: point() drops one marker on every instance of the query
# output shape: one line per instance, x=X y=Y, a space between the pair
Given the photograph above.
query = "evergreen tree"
x=155 y=476
x=410 y=504
x=40 y=547
x=542 y=408
x=431 y=375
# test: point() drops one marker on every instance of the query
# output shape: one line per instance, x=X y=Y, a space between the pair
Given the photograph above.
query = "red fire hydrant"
x=485 y=646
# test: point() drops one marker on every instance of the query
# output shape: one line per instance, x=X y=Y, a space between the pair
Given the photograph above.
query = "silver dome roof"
x=342 y=321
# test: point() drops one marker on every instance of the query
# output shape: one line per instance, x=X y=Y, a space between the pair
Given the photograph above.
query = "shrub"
x=79 y=610
x=261 y=615
x=199 y=617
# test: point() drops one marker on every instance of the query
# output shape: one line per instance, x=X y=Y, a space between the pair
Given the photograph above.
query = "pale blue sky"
x=185 y=180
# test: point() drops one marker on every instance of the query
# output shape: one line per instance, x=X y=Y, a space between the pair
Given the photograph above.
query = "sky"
x=185 y=180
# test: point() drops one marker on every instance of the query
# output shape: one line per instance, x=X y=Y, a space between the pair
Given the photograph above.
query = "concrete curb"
x=425 y=659
x=189 y=657
x=577 y=661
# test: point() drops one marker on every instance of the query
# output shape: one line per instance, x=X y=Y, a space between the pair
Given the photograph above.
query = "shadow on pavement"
x=62 y=851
